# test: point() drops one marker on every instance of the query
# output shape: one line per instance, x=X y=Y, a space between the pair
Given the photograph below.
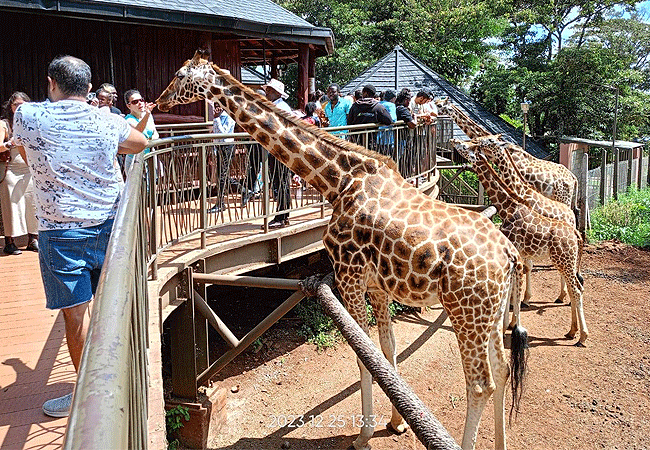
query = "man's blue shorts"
x=71 y=261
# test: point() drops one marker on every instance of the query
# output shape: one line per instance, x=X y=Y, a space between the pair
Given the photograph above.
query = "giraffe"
x=388 y=240
x=535 y=235
x=551 y=179
x=496 y=151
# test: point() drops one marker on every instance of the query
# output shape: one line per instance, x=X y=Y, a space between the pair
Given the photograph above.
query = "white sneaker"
x=58 y=407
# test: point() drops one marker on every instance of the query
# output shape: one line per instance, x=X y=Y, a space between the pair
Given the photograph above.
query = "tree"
x=449 y=36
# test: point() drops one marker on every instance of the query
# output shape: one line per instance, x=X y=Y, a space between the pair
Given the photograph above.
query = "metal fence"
x=168 y=196
x=629 y=171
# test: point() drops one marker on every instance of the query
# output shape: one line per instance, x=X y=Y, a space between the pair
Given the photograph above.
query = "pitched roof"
x=252 y=76
x=256 y=17
x=399 y=69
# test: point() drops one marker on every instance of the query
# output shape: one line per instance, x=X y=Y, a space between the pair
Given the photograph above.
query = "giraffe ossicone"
x=388 y=240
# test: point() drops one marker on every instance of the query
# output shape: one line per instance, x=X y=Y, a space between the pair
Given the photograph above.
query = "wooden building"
x=140 y=44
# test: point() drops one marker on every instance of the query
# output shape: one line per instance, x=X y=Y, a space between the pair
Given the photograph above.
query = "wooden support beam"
x=302 y=93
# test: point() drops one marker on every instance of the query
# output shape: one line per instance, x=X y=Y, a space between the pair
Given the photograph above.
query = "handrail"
x=109 y=409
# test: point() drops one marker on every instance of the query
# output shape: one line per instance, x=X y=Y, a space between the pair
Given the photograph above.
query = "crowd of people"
x=330 y=109
x=16 y=186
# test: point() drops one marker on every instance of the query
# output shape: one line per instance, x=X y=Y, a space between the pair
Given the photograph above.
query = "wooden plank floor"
x=34 y=361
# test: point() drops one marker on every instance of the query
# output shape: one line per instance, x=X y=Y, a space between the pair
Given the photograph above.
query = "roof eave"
x=157 y=17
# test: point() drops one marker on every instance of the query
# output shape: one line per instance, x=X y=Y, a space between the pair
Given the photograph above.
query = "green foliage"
x=316 y=326
x=320 y=330
x=174 y=419
x=626 y=219
x=451 y=36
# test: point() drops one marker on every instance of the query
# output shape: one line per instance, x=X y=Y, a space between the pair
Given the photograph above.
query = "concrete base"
x=206 y=417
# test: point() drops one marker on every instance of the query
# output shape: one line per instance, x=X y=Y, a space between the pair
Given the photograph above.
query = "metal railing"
x=109 y=409
x=166 y=198
x=200 y=183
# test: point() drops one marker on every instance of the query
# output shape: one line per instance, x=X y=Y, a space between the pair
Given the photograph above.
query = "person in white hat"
x=280 y=176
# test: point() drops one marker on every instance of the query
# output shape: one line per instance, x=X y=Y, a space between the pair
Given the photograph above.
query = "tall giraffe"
x=496 y=151
x=537 y=237
x=551 y=179
x=388 y=240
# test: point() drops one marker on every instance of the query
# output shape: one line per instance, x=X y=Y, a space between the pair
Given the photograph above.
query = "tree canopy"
x=567 y=58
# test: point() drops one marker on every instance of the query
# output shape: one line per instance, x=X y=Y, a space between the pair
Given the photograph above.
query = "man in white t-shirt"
x=70 y=148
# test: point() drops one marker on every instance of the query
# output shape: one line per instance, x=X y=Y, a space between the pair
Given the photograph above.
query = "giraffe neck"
x=503 y=198
x=328 y=163
x=469 y=127
x=508 y=169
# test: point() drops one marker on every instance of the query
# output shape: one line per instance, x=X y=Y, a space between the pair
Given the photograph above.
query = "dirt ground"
x=288 y=395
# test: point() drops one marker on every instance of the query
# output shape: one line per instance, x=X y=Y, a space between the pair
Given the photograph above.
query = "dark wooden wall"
x=143 y=57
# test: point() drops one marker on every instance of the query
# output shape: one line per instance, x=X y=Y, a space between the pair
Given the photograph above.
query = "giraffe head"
x=493 y=147
x=467 y=149
x=444 y=106
x=192 y=82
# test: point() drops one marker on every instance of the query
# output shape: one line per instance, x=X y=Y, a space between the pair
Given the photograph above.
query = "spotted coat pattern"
x=497 y=151
x=387 y=240
x=550 y=179
x=536 y=236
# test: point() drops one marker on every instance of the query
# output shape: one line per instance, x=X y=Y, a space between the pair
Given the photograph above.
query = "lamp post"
x=524 y=108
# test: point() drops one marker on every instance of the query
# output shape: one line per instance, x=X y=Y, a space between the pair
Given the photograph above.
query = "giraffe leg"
x=528 y=266
x=578 y=321
x=479 y=383
x=355 y=301
x=563 y=290
x=499 y=366
x=379 y=301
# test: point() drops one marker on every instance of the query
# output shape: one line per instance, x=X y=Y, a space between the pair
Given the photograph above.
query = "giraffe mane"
x=321 y=134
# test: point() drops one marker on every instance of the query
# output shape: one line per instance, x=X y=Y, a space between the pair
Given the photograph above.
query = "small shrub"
x=626 y=219
x=174 y=421
x=316 y=326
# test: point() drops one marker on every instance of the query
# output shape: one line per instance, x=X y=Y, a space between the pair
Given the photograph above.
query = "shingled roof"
x=251 y=17
x=399 y=69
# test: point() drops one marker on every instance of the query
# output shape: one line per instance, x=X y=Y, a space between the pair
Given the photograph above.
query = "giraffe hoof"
x=579 y=344
x=357 y=446
x=558 y=300
x=525 y=305
x=397 y=429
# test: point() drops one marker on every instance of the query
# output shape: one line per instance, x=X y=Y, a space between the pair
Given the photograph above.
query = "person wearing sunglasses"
x=140 y=118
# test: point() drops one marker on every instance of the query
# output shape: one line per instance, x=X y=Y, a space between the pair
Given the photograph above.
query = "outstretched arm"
x=135 y=143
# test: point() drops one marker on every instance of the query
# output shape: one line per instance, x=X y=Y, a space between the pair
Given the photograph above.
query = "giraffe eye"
x=180 y=74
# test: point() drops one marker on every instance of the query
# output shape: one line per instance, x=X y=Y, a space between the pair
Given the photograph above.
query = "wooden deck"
x=35 y=364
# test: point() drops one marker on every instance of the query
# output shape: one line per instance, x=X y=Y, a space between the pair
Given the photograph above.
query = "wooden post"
x=183 y=343
x=583 y=196
x=630 y=158
x=201 y=323
x=312 y=71
x=425 y=426
x=302 y=93
x=603 y=175
x=615 y=178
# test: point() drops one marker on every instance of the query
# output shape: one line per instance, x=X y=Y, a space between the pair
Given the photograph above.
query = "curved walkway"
x=35 y=364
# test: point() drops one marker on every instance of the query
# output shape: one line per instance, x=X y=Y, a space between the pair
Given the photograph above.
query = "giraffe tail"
x=518 y=345
x=581 y=246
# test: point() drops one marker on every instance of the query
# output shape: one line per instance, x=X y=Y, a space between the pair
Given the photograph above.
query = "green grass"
x=319 y=329
x=626 y=219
